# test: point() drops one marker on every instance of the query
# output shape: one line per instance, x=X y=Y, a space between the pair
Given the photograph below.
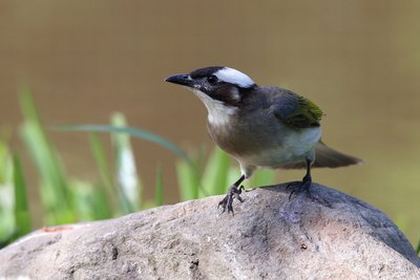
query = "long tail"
x=328 y=157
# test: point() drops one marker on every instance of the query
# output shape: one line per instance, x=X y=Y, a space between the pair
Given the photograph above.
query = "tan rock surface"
x=332 y=236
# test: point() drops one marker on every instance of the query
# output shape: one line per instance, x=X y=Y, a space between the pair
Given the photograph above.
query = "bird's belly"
x=290 y=147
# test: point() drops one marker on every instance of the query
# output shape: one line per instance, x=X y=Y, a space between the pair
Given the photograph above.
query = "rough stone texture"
x=331 y=236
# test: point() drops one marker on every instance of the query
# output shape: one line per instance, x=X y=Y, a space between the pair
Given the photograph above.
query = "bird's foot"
x=300 y=187
x=227 y=201
x=304 y=187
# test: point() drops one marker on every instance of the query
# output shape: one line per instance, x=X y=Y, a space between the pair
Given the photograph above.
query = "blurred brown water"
x=358 y=60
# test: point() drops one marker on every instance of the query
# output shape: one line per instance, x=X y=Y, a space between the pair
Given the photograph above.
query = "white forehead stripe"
x=234 y=76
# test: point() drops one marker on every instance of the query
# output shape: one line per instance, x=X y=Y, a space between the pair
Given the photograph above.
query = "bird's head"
x=216 y=85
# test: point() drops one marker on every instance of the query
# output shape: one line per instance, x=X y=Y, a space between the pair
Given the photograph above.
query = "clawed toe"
x=238 y=192
x=223 y=203
x=227 y=201
x=299 y=187
x=305 y=188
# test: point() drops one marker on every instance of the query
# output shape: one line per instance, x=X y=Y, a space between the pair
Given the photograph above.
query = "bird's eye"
x=212 y=79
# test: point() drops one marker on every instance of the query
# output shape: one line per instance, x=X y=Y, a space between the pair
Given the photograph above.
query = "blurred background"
x=358 y=60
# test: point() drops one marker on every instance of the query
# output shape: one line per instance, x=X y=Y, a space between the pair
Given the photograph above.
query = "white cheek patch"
x=218 y=113
x=233 y=76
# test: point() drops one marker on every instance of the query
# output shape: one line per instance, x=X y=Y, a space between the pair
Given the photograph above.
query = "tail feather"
x=326 y=157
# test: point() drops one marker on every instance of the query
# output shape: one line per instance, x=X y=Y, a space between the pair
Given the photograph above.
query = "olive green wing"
x=296 y=111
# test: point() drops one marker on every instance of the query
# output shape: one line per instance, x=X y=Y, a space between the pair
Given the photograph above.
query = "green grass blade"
x=126 y=171
x=263 y=177
x=22 y=215
x=188 y=180
x=4 y=162
x=233 y=174
x=159 y=198
x=133 y=132
x=90 y=201
x=418 y=249
x=55 y=195
x=215 y=177
x=7 y=214
x=106 y=186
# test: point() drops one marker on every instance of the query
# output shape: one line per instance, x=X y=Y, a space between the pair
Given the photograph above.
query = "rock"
x=328 y=235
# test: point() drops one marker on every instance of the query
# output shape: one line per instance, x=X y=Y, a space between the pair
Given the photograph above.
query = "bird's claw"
x=305 y=187
x=227 y=201
x=299 y=187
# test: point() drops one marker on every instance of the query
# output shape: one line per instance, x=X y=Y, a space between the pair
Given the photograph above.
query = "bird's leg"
x=306 y=182
x=307 y=179
x=234 y=192
x=305 y=187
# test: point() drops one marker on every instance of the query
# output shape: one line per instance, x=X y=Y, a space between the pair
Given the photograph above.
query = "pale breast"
x=275 y=150
x=295 y=146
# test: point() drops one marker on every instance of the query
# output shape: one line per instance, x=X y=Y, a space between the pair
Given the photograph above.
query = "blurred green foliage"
x=54 y=186
x=118 y=188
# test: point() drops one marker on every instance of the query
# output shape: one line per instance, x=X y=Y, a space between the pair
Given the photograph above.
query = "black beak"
x=181 y=79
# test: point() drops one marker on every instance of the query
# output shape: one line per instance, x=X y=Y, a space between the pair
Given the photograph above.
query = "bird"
x=261 y=126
